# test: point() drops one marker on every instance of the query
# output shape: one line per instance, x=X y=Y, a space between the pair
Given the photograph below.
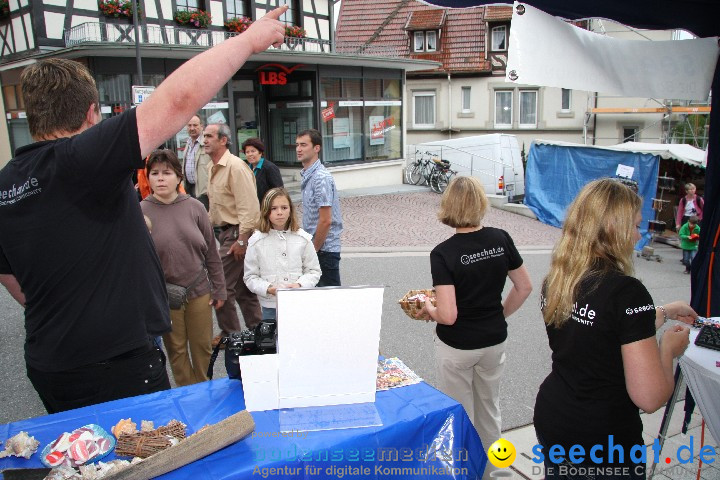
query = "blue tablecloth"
x=424 y=434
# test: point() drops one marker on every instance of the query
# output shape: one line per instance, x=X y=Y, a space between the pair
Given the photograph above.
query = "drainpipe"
x=449 y=107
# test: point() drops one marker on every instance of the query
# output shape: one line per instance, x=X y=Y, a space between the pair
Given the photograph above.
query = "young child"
x=689 y=235
x=280 y=254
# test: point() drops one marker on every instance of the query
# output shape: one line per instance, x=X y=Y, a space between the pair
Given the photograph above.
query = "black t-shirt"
x=477 y=264
x=584 y=399
x=72 y=233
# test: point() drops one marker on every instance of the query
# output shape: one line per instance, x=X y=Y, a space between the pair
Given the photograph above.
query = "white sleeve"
x=251 y=277
x=311 y=267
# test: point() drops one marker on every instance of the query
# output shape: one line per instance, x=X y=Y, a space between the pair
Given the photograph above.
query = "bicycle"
x=419 y=170
x=440 y=176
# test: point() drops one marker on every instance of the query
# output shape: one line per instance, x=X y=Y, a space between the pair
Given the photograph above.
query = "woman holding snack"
x=469 y=271
x=185 y=243
x=601 y=324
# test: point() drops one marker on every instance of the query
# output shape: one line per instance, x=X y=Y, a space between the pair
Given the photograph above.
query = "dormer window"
x=498 y=38
x=425 y=41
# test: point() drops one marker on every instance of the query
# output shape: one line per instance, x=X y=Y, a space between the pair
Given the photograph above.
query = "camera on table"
x=258 y=341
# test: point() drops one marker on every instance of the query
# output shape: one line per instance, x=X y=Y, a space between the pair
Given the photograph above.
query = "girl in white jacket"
x=280 y=254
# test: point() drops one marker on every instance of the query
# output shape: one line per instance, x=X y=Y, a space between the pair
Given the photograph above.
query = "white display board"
x=328 y=340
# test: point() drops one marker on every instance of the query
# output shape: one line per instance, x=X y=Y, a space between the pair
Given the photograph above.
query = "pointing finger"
x=275 y=14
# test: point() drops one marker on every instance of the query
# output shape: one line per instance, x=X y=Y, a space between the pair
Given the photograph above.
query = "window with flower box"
x=236 y=9
x=188 y=5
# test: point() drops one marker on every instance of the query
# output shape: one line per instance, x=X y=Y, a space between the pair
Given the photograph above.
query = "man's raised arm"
x=197 y=81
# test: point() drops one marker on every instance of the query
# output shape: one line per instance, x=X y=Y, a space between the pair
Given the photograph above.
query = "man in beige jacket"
x=234 y=213
x=195 y=162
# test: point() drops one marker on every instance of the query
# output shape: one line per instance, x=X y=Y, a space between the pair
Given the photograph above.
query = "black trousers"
x=189 y=188
x=137 y=372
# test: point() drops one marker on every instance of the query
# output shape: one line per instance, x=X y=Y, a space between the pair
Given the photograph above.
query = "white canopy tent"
x=673 y=151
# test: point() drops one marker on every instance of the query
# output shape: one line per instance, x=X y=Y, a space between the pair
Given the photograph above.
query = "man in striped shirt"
x=321 y=206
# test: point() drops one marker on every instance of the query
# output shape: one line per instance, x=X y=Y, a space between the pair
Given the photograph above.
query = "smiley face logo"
x=501 y=453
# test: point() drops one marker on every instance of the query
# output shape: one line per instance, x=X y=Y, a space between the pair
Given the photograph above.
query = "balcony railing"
x=100 y=32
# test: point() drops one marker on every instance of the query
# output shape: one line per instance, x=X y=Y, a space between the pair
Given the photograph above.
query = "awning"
x=672 y=151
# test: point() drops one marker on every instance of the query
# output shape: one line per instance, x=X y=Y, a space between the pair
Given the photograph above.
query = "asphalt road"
x=410 y=340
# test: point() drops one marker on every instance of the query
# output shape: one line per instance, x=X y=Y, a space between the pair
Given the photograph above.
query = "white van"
x=494 y=159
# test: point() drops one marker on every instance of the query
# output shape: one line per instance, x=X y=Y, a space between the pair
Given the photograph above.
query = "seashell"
x=20 y=445
x=124 y=426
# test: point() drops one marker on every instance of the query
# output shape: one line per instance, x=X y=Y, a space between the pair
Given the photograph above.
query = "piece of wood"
x=199 y=445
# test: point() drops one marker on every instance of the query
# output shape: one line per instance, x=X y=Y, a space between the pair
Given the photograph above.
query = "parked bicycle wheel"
x=414 y=173
x=409 y=172
x=439 y=181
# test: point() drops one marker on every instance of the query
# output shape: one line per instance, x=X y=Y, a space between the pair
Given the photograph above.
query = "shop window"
x=392 y=88
x=528 y=109
x=372 y=88
x=13 y=98
x=351 y=88
x=237 y=8
x=362 y=115
x=329 y=87
x=114 y=88
x=19 y=133
x=465 y=99
x=566 y=100
x=343 y=134
x=424 y=109
x=385 y=132
x=503 y=109
x=498 y=37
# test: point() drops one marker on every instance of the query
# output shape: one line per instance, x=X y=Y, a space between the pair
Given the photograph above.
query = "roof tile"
x=386 y=25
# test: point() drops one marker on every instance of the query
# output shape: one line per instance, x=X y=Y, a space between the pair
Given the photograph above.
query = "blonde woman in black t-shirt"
x=601 y=325
x=469 y=271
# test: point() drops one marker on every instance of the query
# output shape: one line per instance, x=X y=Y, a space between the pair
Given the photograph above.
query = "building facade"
x=355 y=99
x=468 y=95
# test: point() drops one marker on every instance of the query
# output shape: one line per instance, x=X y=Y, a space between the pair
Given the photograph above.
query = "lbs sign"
x=275 y=73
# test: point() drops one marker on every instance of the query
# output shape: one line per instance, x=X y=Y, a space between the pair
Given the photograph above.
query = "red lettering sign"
x=327 y=113
x=272 y=77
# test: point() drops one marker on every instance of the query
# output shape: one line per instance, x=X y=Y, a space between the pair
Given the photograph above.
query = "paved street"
x=386 y=242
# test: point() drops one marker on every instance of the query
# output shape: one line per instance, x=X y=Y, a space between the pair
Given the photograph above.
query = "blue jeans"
x=688 y=256
x=330 y=266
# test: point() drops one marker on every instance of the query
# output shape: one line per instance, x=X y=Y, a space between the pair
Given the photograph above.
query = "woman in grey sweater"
x=185 y=243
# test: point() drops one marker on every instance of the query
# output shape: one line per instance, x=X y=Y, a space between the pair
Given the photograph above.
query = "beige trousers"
x=472 y=377
x=192 y=330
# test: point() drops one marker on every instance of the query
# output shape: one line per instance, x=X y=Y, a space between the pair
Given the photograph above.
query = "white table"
x=703 y=378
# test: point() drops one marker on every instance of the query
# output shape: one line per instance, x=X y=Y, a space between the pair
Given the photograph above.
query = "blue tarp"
x=555 y=174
